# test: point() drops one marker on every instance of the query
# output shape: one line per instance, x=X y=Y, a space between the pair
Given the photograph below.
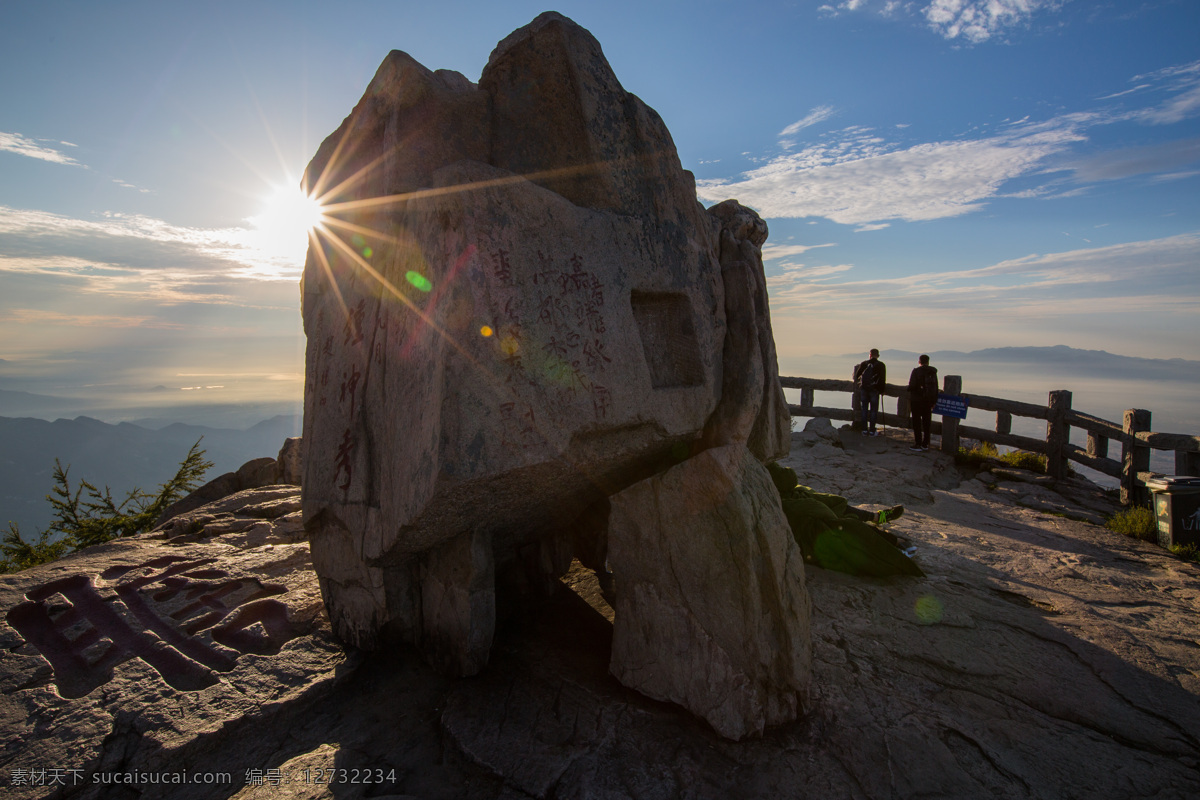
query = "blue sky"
x=936 y=174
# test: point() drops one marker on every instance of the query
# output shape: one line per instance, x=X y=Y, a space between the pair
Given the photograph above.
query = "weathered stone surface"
x=253 y=474
x=711 y=609
x=822 y=428
x=289 y=464
x=545 y=316
x=752 y=408
x=267 y=515
x=750 y=342
x=458 y=604
x=140 y=655
x=561 y=117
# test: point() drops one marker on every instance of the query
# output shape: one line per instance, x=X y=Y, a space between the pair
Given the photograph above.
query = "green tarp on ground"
x=831 y=537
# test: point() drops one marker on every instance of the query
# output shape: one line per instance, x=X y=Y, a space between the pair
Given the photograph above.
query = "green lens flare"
x=367 y=252
x=418 y=280
x=928 y=609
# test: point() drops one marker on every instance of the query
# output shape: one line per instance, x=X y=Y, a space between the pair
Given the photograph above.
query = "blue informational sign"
x=951 y=405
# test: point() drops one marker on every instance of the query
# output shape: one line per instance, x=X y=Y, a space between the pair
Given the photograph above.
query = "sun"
x=281 y=230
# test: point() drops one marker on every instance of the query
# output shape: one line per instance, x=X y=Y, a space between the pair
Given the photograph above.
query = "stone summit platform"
x=1041 y=657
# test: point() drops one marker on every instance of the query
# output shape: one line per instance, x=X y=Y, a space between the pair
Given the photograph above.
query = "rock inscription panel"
x=186 y=619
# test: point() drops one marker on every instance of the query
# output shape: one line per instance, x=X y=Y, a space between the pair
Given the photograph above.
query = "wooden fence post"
x=1058 y=433
x=1003 y=422
x=1135 y=457
x=951 y=384
x=806 y=397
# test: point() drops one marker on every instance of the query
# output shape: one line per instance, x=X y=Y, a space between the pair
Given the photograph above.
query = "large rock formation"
x=518 y=309
x=711 y=593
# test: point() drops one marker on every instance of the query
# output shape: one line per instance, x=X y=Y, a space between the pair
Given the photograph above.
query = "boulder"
x=517 y=309
x=289 y=464
x=712 y=611
x=255 y=473
x=822 y=428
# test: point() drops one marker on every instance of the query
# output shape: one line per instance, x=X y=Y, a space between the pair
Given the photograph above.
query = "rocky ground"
x=1042 y=656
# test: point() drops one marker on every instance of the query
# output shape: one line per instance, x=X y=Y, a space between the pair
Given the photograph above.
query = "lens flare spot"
x=929 y=609
x=509 y=346
x=418 y=280
x=485 y=331
x=367 y=252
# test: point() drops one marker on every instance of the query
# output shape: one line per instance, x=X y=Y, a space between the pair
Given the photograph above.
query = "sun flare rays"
x=342 y=237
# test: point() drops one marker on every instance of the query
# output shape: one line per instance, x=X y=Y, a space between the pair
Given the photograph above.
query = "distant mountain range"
x=1058 y=359
x=122 y=456
x=19 y=403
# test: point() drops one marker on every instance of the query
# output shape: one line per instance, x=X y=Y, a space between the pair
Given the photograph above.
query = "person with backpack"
x=922 y=396
x=870 y=378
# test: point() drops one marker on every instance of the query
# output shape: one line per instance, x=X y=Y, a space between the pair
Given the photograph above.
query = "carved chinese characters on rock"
x=186 y=619
x=345 y=359
x=567 y=358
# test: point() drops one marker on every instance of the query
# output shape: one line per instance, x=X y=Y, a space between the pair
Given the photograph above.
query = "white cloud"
x=1139 y=296
x=1177 y=109
x=862 y=179
x=33 y=316
x=148 y=246
x=128 y=185
x=814 y=117
x=1175 y=176
x=979 y=20
x=1168 y=260
x=1167 y=157
x=31 y=148
x=802 y=273
x=1082 y=282
x=974 y=21
x=1134 y=90
x=856 y=177
x=1181 y=84
x=773 y=252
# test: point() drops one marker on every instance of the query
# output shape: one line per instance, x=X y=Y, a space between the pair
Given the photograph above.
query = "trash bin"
x=1177 y=507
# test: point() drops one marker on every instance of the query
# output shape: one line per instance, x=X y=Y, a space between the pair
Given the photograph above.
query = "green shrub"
x=1188 y=552
x=1023 y=459
x=975 y=455
x=1138 y=522
x=82 y=521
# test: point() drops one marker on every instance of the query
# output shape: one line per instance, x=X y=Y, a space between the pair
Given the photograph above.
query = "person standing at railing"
x=870 y=378
x=922 y=396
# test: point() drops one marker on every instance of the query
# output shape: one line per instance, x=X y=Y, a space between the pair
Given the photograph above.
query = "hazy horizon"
x=243 y=398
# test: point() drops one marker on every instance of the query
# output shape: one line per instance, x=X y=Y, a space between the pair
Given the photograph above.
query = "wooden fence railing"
x=1133 y=433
